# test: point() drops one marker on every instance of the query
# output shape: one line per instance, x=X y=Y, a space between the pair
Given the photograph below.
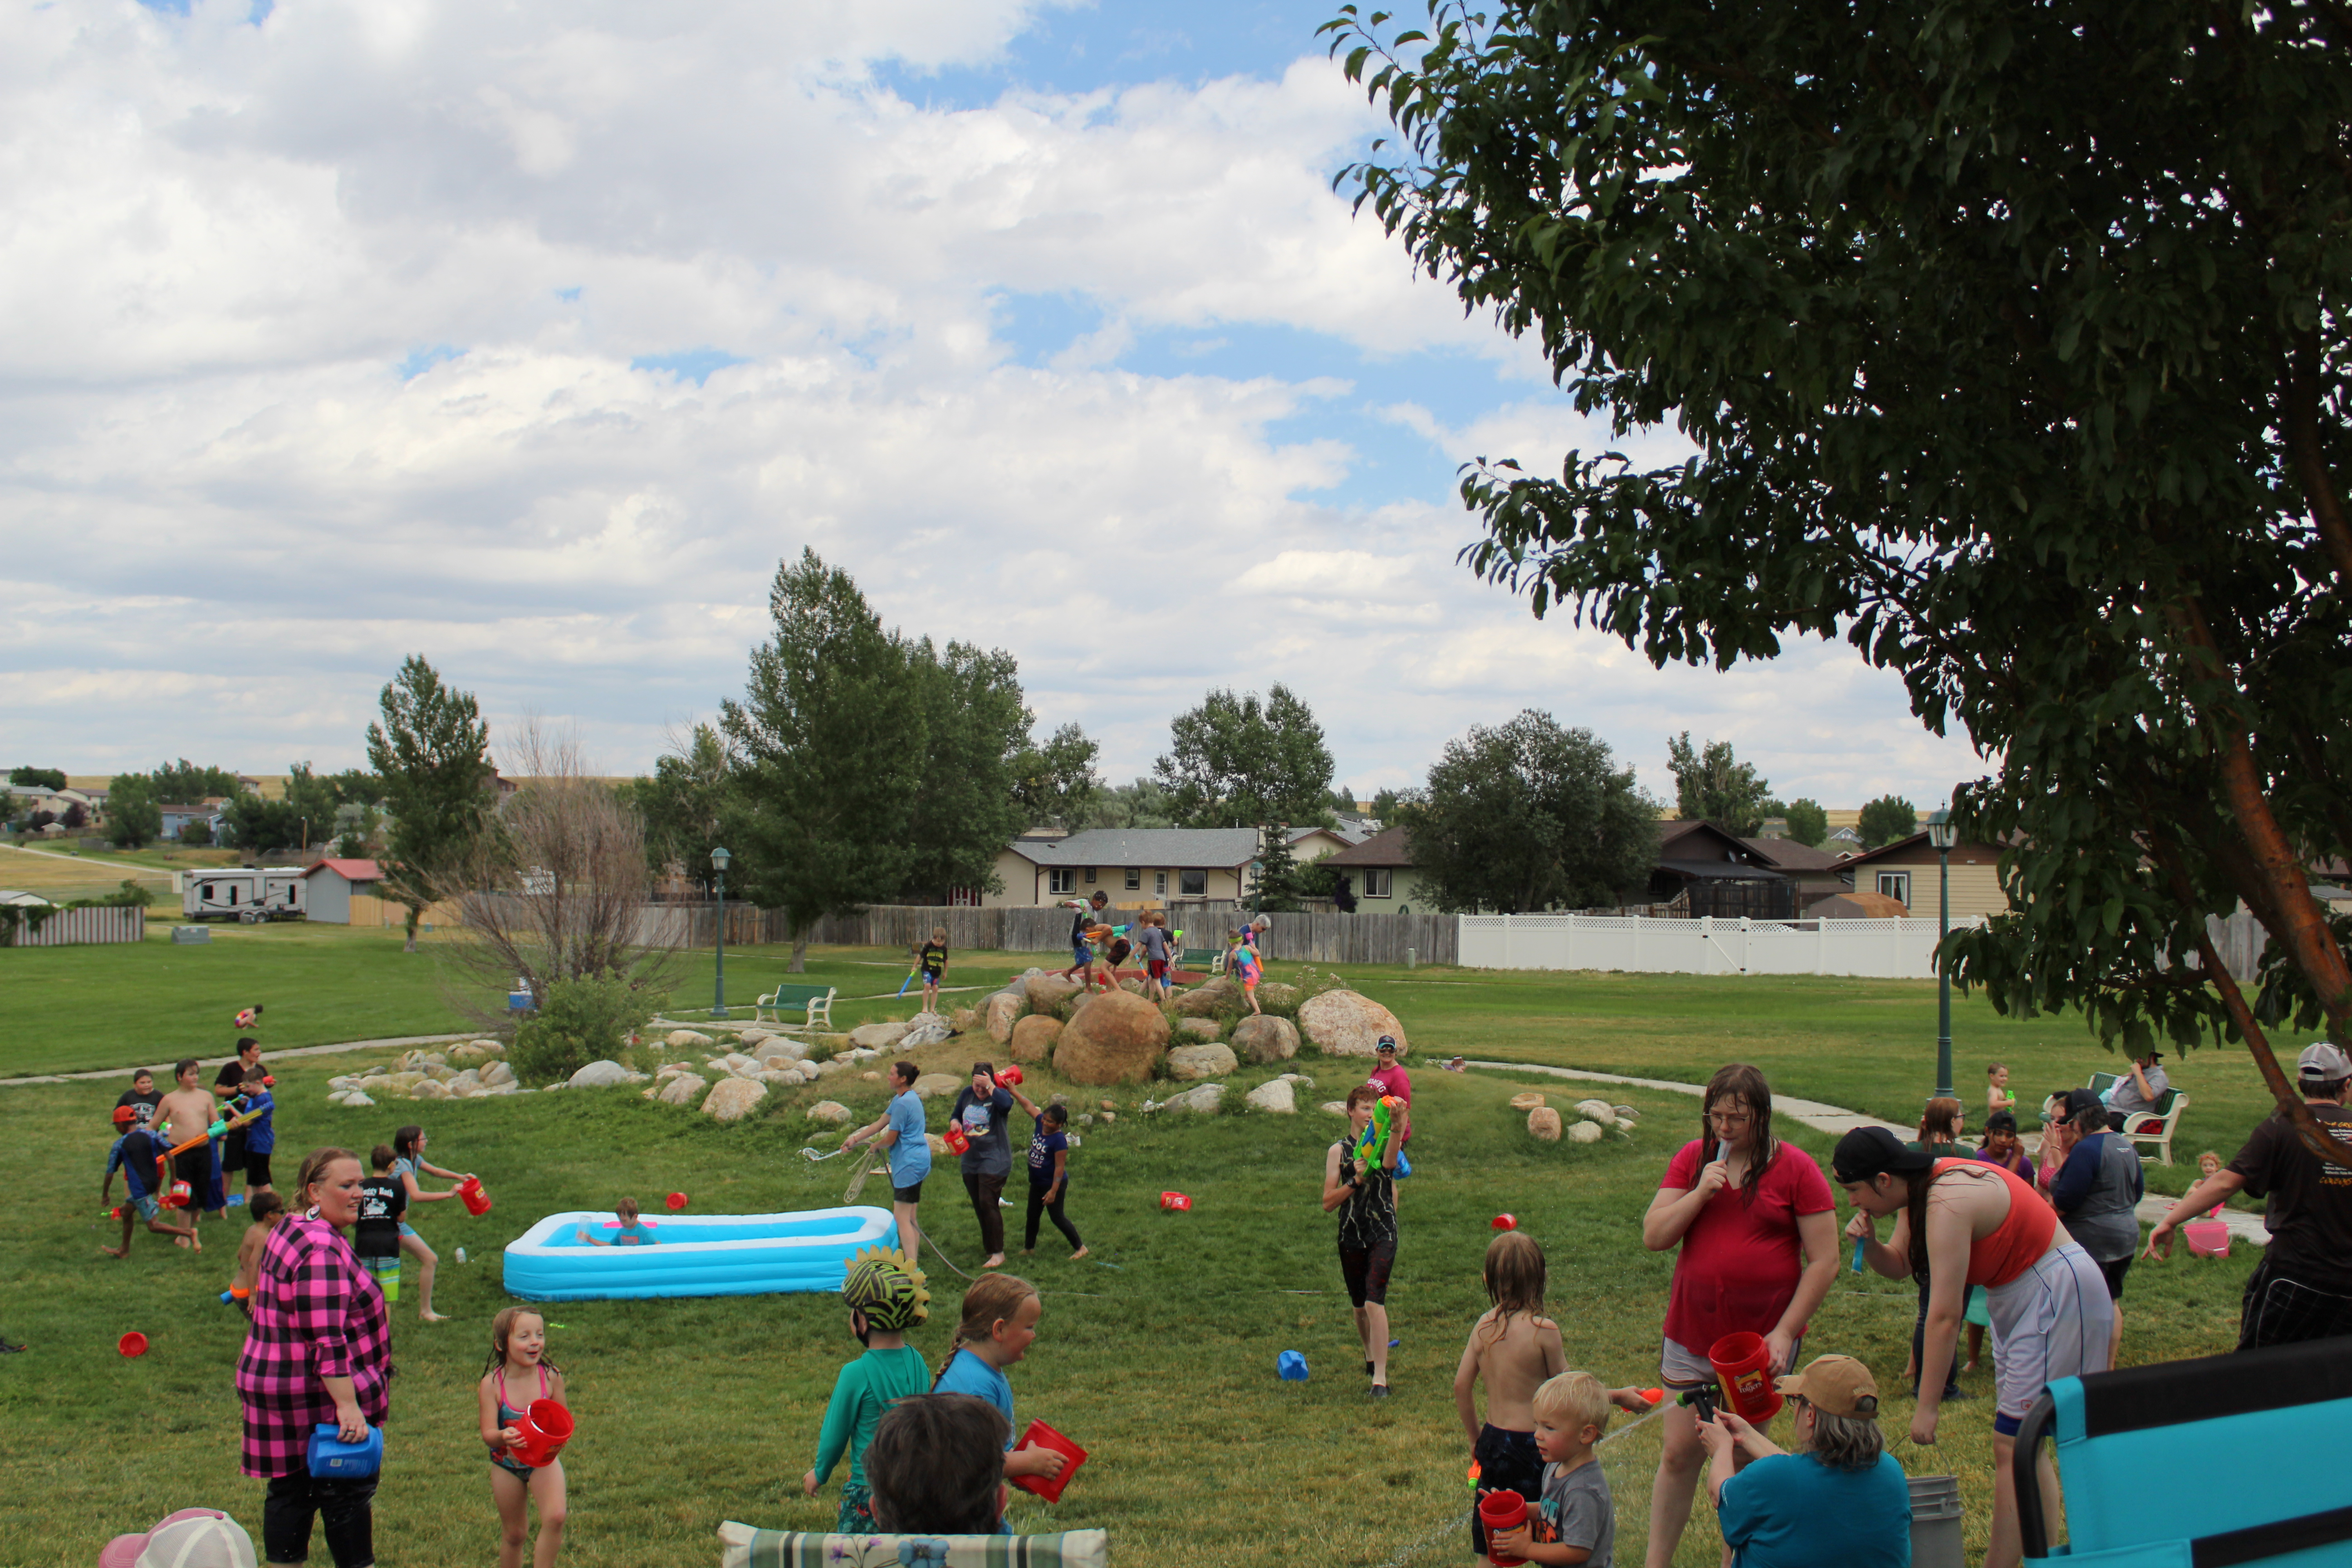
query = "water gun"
x=1372 y=1143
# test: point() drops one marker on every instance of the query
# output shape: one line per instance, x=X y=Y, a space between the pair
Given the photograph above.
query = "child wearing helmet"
x=885 y=1297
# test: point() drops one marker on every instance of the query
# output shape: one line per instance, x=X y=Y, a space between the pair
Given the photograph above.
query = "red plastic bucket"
x=1743 y=1366
x=2206 y=1237
x=1011 y=1075
x=1040 y=1436
x=1176 y=1203
x=954 y=1138
x=1507 y=1222
x=470 y=1193
x=132 y=1343
x=1498 y=1511
x=677 y=1200
x=178 y=1195
x=545 y=1427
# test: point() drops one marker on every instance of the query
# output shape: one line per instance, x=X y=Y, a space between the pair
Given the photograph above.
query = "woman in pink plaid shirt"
x=319 y=1352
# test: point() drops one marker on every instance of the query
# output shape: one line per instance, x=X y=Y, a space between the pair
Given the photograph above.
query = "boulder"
x=430 y=1089
x=1348 y=1023
x=1018 y=985
x=830 y=1111
x=938 y=1145
x=1626 y=1113
x=465 y=1085
x=1209 y=999
x=358 y=1099
x=1275 y=997
x=1599 y=1111
x=781 y=1077
x=733 y=1099
x=1266 y=1039
x=1530 y=1100
x=965 y=1019
x=682 y=1088
x=924 y=1029
x=1000 y=1012
x=776 y=1052
x=870 y=1077
x=880 y=1036
x=1543 y=1122
x=1200 y=1029
x=932 y=1083
x=749 y=1037
x=1108 y=1117
x=496 y=1074
x=598 y=1074
x=1336 y=1106
x=1034 y=1037
x=687 y=1039
x=1210 y=1060
x=1110 y=1105
x=1203 y=1097
x=376 y=1082
x=1047 y=992
x=1584 y=1132
x=1276 y=1096
x=1625 y=1124
x=1118 y=1039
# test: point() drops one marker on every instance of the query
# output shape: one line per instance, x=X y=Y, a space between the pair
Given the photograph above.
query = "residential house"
x=1817 y=874
x=345 y=892
x=177 y=817
x=1381 y=873
x=1138 y=867
x=1905 y=871
x=1719 y=875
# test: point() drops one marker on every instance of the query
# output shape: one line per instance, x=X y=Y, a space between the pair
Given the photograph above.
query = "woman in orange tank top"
x=1964 y=1222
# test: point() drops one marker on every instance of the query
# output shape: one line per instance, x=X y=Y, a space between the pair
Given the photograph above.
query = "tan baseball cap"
x=1836 y=1383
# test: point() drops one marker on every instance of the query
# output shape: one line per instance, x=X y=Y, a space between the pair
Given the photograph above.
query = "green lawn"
x=1158 y=1354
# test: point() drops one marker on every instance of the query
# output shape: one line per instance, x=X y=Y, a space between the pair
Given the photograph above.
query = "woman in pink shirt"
x=1390 y=1080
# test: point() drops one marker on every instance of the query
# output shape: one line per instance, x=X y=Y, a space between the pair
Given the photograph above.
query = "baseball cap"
x=192 y=1537
x=124 y=1115
x=1836 y=1384
x=2079 y=1101
x=2322 y=1060
x=1385 y=1043
x=1866 y=1152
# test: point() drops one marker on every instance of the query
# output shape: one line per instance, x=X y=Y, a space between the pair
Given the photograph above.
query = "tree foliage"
x=37 y=778
x=2034 y=393
x=1056 y=783
x=683 y=805
x=1711 y=783
x=133 y=817
x=965 y=806
x=1808 y=822
x=1886 y=819
x=1143 y=804
x=184 y=784
x=1527 y=816
x=1234 y=761
x=303 y=816
x=432 y=751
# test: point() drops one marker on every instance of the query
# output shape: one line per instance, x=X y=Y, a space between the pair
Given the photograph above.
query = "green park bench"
x=1201 y=960
x=814 y=1003
x=2156 y=1126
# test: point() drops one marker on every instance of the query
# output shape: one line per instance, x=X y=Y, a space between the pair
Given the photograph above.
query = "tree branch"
x=2300 y=400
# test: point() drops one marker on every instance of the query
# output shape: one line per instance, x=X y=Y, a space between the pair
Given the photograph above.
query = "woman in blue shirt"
x=900 y=1129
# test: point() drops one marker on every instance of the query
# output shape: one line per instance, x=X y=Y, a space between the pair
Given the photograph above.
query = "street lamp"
x=1942 y=834
x=719 y=859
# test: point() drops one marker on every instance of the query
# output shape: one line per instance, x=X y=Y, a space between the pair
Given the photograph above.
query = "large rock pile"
x=1115 y=1038
x=431 y=1075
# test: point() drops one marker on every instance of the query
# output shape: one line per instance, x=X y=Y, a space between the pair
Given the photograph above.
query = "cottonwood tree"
x=1886 y=819
x=37 y=778
x=1527 y=816
x=303 y=816
x=1143 y=804
x=432 y=753
x=966 y=805
x=1236 y=761
x=133 y=817
x=685 y=803
x=184 y=784
x=1808 y=822
x=2034 y=394
x=1713 y=785
x=1056 y=783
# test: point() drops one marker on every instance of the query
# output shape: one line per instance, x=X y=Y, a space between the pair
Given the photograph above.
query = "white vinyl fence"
x=1886 y=949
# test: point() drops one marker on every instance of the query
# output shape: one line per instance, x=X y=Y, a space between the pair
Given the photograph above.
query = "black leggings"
x=1037 y=1206
x=1920 y=1343
x=985 y=1191
x=344 y=1506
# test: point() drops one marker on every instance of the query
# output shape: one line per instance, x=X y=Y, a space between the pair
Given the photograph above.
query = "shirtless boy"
x=185 y=1112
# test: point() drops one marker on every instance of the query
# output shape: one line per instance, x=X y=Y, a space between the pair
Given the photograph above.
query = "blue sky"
x=532 y=338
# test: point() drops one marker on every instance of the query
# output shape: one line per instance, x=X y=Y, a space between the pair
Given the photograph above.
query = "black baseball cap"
x=2079 y=1101
x=1866 y=1152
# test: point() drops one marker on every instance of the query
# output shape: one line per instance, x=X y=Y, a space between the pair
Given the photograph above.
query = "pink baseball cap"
x=192 y=1537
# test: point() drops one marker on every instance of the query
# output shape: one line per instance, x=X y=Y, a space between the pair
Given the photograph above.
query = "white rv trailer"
x=251 y=894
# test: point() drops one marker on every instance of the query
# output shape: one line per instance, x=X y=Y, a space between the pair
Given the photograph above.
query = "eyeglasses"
x=1730 y=1118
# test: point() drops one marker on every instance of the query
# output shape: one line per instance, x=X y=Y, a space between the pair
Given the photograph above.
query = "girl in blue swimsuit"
x=519 y=1353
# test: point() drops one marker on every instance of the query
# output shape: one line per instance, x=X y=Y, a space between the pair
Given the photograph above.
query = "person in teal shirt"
x=885 y=1298
x=1839 y=1498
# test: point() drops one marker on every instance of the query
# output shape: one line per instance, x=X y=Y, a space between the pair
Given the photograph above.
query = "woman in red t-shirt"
x=1758 y=1229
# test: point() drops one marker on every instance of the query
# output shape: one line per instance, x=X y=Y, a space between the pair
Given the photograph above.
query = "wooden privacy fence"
x=74 y=928
x=1296 y=938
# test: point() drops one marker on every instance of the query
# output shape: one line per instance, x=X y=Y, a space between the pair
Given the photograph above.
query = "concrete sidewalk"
x=164 y=1070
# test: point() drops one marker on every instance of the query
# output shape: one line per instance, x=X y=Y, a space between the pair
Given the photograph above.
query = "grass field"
x=1157 y=1353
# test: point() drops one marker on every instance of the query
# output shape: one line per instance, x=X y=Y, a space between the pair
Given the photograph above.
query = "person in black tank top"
x=1364 y=1191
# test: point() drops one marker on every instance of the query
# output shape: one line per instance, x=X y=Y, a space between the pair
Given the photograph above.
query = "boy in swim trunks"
x=137 y=1152
x=185 y=1114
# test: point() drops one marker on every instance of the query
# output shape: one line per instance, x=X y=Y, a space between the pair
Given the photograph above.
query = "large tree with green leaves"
x=133 y=817
x=1886 y=819
x=432 y=751
x=2012 y=342
x=1713 y=785
x=966 y=805
x=1528 y=816
x=303 y=816
x=685 y=804
x=1237 y=762
x=1056 y=783
x=184 y=784
x=1808 y=822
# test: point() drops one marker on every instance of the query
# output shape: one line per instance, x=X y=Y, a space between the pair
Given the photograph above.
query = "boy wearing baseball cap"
x=1841 y=1498
x=2302 y=1290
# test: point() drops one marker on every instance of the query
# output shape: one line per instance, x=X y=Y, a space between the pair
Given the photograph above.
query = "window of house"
x=1159 y=883
x=1090 y=875
x=1061 y=879
x=1194 y=883
x=1379 y=884
x=1896 y=885
x=1134 y=879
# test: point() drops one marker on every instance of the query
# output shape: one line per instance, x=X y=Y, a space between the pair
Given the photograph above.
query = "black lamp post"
x=1942 y=834
x=719 y=859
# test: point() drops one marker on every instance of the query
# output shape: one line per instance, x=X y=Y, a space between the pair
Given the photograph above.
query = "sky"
x=532 y=337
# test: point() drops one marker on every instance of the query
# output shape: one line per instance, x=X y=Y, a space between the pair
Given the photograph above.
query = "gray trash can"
x=1936 y=1522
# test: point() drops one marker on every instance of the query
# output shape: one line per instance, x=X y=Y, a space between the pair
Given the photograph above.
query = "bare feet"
x=115 y=1252
x=195 y=1242
x=995 y=1261
x=1079 y=1253
x=1968 y=1366
x=176 y=1241
x=432 y=1317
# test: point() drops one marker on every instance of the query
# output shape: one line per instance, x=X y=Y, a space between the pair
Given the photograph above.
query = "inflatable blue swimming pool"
x=699 y=1255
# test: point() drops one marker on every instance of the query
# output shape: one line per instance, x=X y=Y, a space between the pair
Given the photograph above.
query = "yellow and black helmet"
x=888 y=1290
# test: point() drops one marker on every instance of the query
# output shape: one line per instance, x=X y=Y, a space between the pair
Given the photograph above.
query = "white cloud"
x=230 y=515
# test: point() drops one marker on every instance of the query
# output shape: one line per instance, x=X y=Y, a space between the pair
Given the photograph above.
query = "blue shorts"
x=147 y=1207
x=406 y=1228
x=1080 y=953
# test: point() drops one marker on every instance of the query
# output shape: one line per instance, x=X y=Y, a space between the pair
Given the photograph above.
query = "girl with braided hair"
x=885 y=1297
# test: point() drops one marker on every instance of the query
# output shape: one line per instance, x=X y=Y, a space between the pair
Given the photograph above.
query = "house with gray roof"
x=1140 y=868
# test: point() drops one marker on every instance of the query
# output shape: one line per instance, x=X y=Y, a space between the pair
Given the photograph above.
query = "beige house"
x=1905 y=871
x=1140 y=868
x=1380 y=872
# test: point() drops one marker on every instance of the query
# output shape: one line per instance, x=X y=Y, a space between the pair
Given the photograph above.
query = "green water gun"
x=1372 y=1143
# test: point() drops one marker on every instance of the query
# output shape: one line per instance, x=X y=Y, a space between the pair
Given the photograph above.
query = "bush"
x=578 y=1022
x=131 y=896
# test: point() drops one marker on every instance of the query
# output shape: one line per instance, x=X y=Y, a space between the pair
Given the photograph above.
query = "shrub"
x=196 y=834
x=130 y=896
x=578 y=1022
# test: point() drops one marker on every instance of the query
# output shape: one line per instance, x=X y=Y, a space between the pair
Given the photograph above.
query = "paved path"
x=164 y=1068
x=1837 y=1122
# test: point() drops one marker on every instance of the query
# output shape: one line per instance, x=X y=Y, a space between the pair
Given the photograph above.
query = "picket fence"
x=1883 y=949
x=74 y=928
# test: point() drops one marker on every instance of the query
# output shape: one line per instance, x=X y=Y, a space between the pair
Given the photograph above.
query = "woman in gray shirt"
x=2096 y=1193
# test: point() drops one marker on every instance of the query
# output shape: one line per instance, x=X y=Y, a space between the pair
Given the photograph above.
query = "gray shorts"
x=1681 y=1367
x=2053 y=1321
